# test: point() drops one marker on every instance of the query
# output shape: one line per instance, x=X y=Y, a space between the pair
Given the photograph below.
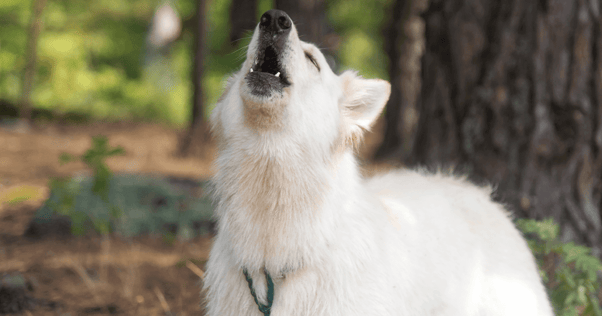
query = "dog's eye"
x=313 y=61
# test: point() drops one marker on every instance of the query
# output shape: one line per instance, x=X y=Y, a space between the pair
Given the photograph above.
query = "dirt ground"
x=90 y=275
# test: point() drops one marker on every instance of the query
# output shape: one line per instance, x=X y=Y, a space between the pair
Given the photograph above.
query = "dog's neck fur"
x=279 y=207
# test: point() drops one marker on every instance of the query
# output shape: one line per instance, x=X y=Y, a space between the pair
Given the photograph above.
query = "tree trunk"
x=512 y=94
x=404 y=45
x=197 y=134
x=243 y=18
x=35 y=25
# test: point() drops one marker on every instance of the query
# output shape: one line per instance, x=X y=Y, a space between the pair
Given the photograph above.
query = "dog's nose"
x=276 y=22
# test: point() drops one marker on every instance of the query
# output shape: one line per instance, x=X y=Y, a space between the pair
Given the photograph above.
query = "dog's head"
x=286 y=93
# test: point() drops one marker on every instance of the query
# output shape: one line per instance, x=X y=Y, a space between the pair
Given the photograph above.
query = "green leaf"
x=569 y=311
x=117 y=151
x=99 y=143
x=581 y=295
x=566 y=275
x=594 y=306
x=572 y=251
x=570 y=299
x=590 y=265
x=115 y=212
x=543 y=275
x=78 y=221
x=102 y=178
x=65 y=158
x=102 y=226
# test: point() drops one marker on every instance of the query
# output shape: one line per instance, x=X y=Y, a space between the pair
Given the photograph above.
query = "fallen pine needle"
x=162 y=301
x=195 y=269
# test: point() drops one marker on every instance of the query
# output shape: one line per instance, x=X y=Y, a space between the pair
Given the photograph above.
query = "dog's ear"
x=363 y=100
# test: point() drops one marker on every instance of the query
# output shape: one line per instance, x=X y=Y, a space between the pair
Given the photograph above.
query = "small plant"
x=67 y=190
x=569 y=271
x=126 y=204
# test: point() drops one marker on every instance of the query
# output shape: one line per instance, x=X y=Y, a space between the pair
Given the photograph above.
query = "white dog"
x=301 y=233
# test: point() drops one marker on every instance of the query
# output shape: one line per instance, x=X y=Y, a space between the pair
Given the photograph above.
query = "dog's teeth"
x=278 y=74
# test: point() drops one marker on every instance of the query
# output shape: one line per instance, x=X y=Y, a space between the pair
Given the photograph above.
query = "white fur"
x=290 y=199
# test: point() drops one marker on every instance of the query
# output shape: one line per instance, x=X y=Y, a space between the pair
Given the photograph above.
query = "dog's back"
x=473 y=259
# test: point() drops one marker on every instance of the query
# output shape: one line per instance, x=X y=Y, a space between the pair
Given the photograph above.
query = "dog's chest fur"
x=267 y=204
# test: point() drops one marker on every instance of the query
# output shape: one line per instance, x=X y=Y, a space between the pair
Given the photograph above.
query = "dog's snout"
x=276 y=22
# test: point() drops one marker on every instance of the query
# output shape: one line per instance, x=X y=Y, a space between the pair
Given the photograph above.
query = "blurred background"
x=134 y=59
x=507 y=92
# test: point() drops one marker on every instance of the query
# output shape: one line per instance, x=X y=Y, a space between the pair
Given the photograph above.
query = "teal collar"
x=265 y=309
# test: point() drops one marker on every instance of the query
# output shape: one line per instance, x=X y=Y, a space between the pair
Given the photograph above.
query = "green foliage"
x=360 y=24
x=91 y=53
x=67 y=190
x=90 y=60
x=569 y=270
x=129 y=205
x=146 y=204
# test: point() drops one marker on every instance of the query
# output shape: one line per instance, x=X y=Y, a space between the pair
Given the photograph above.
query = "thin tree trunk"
x=404 y=45
x=243 y=18
x=35 y=26
x=197 y=134
x=512 y=94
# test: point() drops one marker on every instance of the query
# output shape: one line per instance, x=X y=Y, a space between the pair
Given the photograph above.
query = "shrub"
x=67 y=190
x=569 y=271
x=127 y=204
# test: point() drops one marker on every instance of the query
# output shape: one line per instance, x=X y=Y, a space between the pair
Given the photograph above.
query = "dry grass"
x=96 y=275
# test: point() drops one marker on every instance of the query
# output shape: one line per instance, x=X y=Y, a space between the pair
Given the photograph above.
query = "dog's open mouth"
x=266 y=74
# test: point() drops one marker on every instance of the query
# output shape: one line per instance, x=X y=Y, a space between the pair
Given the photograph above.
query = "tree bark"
x=404 y=45
x=512 y=94
x=35 y=25
x=197 y=134
x=243 y=18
